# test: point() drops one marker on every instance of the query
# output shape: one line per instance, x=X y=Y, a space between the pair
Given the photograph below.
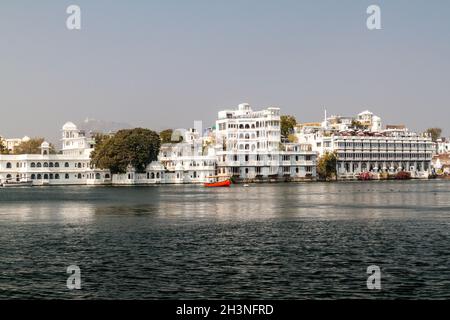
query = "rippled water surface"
x=301 y=241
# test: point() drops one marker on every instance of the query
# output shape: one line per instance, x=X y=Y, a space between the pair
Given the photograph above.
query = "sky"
x=164 y=64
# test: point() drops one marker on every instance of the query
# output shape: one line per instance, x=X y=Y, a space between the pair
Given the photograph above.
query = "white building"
x=248 y=147
x=72 y=166
x=443 y=145
x=392 y=150
x=188 y=161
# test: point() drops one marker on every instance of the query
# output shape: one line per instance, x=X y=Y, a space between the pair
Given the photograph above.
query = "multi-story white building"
x=248 y=147
x=443 y=145
x=72 y=166
x=391 y=150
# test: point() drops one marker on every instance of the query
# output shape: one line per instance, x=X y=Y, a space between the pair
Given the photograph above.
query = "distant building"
x=12 y=144
x=443 y=145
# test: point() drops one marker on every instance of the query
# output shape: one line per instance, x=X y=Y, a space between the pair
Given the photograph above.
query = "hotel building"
x=249 y=148
x=373 y=150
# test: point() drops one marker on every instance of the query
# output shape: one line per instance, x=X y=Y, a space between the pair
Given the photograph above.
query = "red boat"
x=224 y=183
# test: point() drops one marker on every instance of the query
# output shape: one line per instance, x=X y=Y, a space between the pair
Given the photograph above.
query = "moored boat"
x=16 y=184
x=218 y=181
x=224 y=183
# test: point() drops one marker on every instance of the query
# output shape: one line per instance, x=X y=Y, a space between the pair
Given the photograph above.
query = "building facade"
x=372 y=149
x=70 y=167
x=249 y=148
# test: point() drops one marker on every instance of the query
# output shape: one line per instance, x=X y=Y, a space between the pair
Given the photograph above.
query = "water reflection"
x=373 y=200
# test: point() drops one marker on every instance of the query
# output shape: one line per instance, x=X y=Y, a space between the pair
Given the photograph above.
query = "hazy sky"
x=161 y=64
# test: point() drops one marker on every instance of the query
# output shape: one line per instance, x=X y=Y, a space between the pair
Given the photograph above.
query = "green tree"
x=136 y=147
x=435 y=133
x=326 y=166
x=287 y=124
x=32 y=146
x=167 y=136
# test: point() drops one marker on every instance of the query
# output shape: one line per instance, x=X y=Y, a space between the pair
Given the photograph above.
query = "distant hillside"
x=94 y=125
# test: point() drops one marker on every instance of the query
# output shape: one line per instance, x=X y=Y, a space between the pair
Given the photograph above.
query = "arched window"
x=33 y=165
x=107 y=176
x=97 y=176
x=46 y=176
x=57 y=176
x=79 y=176
x=39 y=165
x=66 y=176
x=8 y=165
x=247 y=136
x=247 y=126
x=247 y=147
x=45 y=165
x=8 y=176
x=33 y=176
x=253 y=126
x=157 y=175
x=50 y=164
x=241 y=126
x=51 y=176
x=79 y=164
x=39 y=176
x=153 y=175
x=56 y=164
x=66 y=164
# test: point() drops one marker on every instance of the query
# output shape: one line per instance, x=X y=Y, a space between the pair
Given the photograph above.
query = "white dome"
x=26 y=139
x=69 y=126
x=45 y=145
x=155 y=166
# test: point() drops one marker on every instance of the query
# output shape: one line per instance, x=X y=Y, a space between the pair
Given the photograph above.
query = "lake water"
x=280 y=241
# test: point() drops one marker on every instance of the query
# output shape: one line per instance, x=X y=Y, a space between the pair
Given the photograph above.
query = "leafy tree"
x=435 y=133
x=287 y=124
x=326 y=166
x=292 y=138
x=167 y=136
x=136 y=147
x=32 y=146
